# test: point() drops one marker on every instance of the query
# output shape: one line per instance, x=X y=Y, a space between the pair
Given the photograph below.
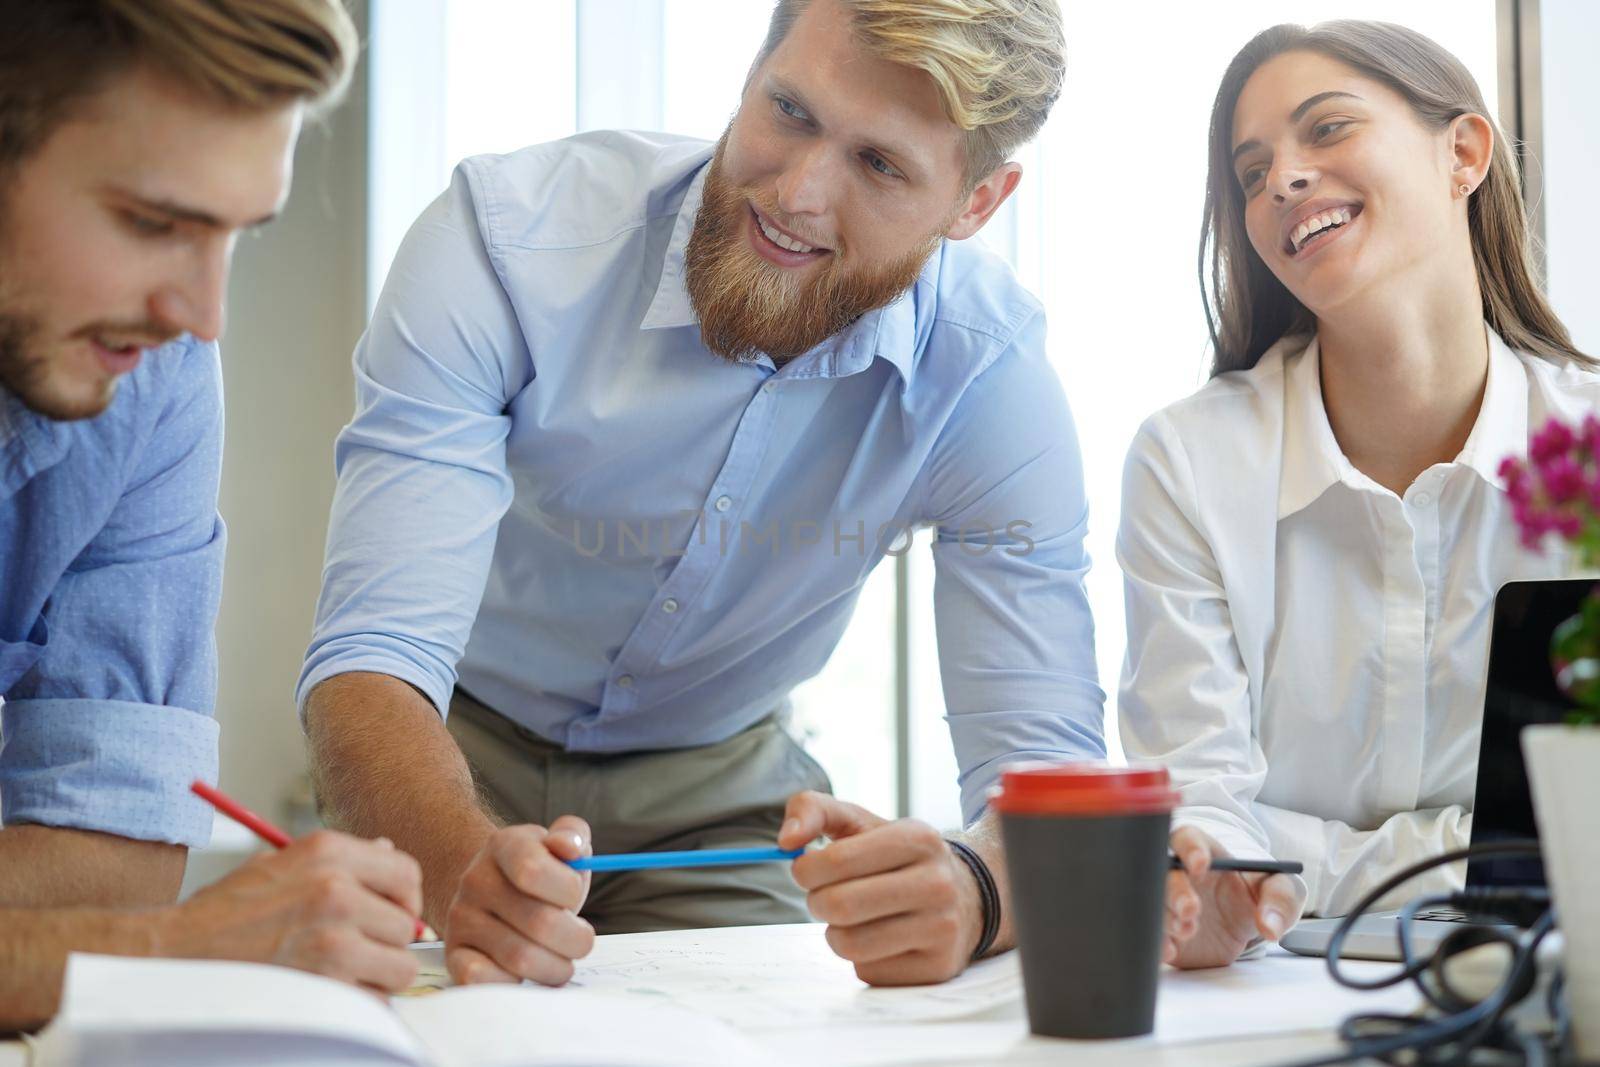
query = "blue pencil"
x=706 y=857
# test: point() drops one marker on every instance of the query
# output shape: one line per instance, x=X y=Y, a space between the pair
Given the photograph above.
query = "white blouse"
x=1307 y=650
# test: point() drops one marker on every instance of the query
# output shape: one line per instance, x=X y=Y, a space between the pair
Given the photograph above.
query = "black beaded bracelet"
x=988 y=896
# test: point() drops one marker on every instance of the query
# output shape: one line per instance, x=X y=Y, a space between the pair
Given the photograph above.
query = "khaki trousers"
x=727 y=795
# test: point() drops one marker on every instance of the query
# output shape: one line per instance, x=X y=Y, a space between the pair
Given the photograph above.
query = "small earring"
x=1464 y=189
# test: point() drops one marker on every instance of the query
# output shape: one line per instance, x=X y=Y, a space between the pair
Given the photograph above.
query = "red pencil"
x=251 y=821
x=241 y=814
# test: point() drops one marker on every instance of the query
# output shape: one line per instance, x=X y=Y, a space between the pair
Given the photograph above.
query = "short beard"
x=20 y=373
x=748 y=307
x=25 y=365
x=27 y=377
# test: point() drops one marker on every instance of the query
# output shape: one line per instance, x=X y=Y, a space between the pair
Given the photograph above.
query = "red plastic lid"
x=1089 y=787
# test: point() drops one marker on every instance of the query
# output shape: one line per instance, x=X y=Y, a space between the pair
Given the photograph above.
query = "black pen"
x=1225 y=863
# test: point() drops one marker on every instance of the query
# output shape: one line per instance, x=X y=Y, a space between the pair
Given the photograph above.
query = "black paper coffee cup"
x=1086 y=850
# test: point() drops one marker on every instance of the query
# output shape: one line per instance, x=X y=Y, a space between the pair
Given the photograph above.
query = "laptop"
x=1521 y=691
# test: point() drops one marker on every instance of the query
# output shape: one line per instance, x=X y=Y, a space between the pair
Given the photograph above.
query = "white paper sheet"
x=1278 y=994
x=762 y=978
x=758 y=977
x=661 y=1000
x=530 y=1026
x=169 y=1011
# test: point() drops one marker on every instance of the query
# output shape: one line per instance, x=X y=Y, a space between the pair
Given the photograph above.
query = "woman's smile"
x=1315 y=224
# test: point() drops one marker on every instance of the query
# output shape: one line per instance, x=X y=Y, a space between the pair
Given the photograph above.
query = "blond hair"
x=251 y=54
x=997 y=64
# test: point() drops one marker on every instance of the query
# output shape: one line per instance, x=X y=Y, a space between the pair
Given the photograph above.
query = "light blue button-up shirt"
x=553 y=491
x=110 y=575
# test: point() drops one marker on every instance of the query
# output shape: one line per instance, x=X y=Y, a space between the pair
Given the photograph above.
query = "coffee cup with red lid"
x=1086 y=852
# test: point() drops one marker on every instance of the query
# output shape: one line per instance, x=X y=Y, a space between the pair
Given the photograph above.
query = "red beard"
x=748 y=306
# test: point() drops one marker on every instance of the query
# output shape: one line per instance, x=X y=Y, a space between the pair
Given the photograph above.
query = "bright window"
x=1104 y=229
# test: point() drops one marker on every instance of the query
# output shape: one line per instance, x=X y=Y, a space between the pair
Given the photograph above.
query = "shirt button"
x=669 y=605
x=724 y=503
x=625 y=681
x=1423 y=499
x=768 y=387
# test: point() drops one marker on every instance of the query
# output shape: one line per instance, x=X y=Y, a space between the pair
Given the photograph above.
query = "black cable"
x=1410 y=968
x=1534 y=1053
x=1465 y=1026
x=1556 y=1004
x=1408 y=915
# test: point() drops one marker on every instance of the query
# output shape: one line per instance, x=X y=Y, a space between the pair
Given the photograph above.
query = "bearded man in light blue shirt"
x=636 y=416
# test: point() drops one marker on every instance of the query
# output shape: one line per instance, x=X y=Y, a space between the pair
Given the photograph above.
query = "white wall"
x=296 y=305
x=1570 y=40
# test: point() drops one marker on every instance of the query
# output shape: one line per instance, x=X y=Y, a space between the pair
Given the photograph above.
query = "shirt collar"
x=670 y=306
x=29 y=443
x=891 y=332
x=1313 y=460
x=1502 y=426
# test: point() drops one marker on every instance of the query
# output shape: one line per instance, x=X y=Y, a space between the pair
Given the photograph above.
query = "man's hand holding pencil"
x=515 y=915
x=328 y=903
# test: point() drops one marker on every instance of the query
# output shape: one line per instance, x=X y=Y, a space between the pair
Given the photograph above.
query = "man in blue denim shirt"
x=136 y=142
x=635 y=420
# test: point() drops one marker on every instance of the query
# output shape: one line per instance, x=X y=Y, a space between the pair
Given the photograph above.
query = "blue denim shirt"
x=110 y=575
x=622 y=541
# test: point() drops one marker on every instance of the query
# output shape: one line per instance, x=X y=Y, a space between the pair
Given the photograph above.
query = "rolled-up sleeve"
x=422 y=478
x=1016 y=638
x=113 y=721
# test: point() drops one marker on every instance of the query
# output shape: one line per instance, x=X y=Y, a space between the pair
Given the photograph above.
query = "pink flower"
x=1532 y=523
x=1551 y=441
x=1557 y=488
x=1590 y=435
x=1519 y=487
x=1563 y=479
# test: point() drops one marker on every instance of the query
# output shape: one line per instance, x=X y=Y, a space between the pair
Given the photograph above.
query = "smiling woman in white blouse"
x=1312 y=542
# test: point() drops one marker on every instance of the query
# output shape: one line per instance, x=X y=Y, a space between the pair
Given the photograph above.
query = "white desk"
x=785 y=990
x=1037 y=1052
x=783 y=987
x=1256 y=1052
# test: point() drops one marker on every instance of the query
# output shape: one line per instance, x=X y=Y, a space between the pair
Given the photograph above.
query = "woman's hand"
x=1213 y=915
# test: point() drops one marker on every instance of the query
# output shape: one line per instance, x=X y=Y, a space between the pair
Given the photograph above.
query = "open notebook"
x=171 y=1013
